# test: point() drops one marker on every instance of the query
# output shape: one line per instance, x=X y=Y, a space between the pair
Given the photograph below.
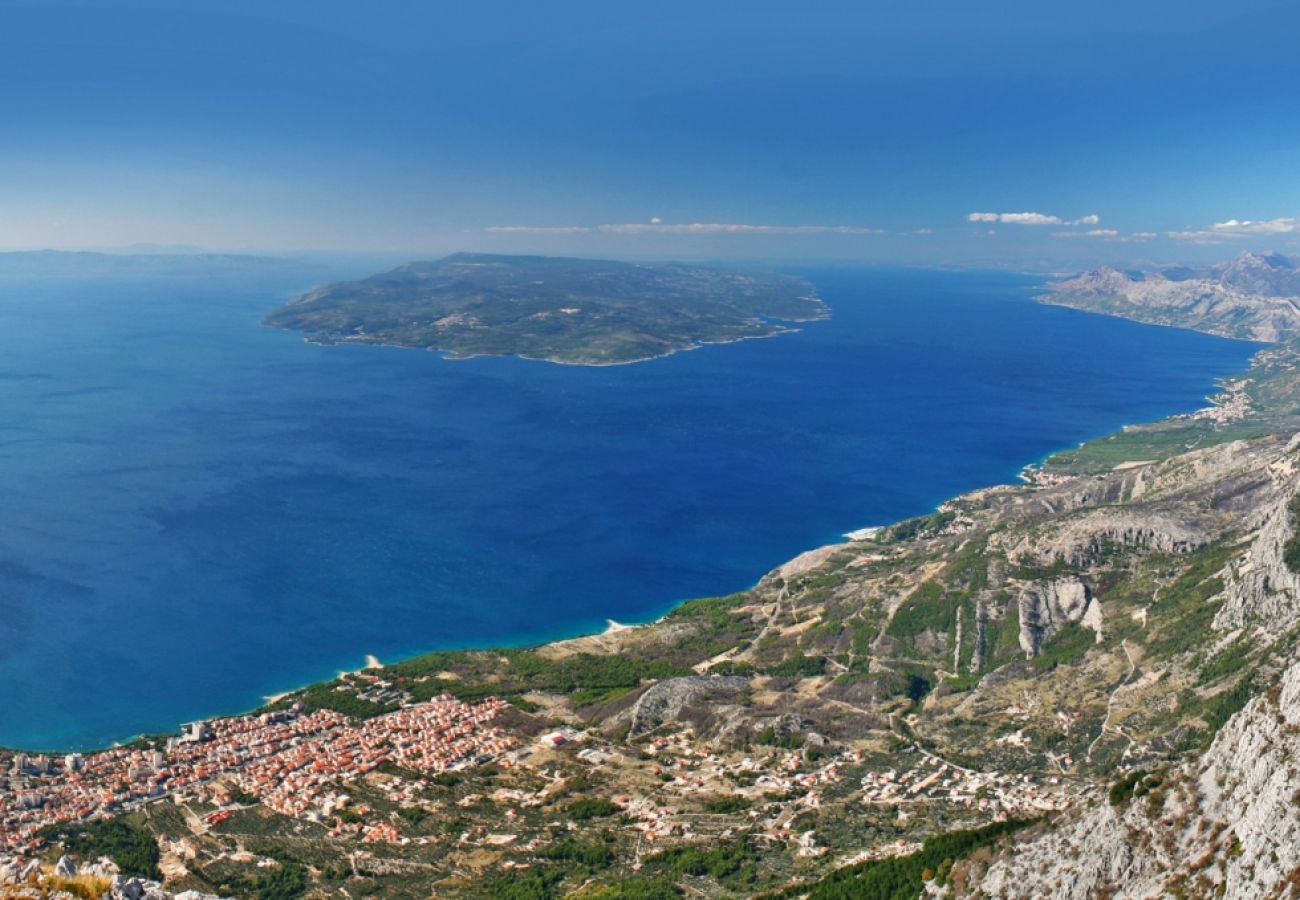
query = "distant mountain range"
x=1253 y=297
x=146 y=261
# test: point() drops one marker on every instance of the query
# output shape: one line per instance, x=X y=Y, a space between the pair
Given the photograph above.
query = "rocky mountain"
x=1254 y=297
x=1221 y=825
x=1268 y=275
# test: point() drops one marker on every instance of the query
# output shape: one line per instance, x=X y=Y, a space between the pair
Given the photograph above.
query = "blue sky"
x=859 y=130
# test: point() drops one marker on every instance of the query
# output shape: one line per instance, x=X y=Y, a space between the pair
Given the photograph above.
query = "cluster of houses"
x=993 y=792
x=291 y=760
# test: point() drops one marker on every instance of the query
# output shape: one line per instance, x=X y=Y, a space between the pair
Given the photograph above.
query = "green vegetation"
x=133 y=848
x=591 y=808
x=929 y=608
x=536 y=883
x=902 y=877
x=733 y=864
x=585 y=677
x=1222 y=706
x=341 y=697
x=1185 y=607
x=283 y=882
x=798 y=666
x=632 y=889
x=565 y=310
x=1228 y=662
x=787 y=740
x=920 y=526
x=727 y=805
x=1152 y=442
x=593 y=854
x=1066 y=646
x=1135 y=784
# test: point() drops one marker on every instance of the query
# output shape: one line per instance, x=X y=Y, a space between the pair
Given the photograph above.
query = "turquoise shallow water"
x=199 y=511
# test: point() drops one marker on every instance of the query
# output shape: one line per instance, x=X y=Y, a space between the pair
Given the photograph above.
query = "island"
x=574 y=311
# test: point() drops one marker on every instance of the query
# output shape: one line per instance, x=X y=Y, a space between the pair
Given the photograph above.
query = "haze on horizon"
x=1019 y=132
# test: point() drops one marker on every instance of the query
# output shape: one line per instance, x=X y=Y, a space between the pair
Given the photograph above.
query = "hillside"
x=584 y=312
x=867 y=712
x=1254 y=297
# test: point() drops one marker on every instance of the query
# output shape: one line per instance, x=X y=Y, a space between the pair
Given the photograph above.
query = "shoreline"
x=586 y=630
x=324 y=342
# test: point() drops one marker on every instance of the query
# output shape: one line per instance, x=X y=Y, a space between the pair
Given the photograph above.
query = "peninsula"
x=1252 y=297
x=575 y=311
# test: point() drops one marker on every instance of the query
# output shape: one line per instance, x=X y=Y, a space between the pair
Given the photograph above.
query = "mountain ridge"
x=1253 y=297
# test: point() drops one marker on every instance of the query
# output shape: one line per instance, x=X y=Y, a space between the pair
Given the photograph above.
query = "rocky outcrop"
x=1262 y=590
x=1046 y=607
x=1224 y=826
x=21 y=878
x=1083 y=540
x=668 y=700
x=141 y=889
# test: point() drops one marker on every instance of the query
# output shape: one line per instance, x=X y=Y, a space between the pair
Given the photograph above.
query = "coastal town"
x=292 y=761
x=669 y=789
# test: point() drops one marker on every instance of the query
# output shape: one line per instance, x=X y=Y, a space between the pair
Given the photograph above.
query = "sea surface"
x=198 y=511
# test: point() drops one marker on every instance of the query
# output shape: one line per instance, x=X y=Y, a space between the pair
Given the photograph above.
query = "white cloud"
x=1287 y=225
x=656 y=226
x=733 y=228
x=1093 y=233
x=655 y=220
x=1031 y=218
x=1199 y=237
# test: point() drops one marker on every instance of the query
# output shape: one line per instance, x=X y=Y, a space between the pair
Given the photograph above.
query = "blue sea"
x=198 y=511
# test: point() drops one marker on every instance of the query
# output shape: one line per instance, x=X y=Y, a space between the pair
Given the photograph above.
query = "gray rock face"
x=1269 y=274
x=1046 y=607
x=1242 y=300
x=1226 y=825
x=35 y=882
x=666 y=701
x=1262 y=590
x=1082 y=541
x=141 y=889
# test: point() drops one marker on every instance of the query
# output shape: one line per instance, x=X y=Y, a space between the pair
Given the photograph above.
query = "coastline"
x=586 y=631
x=324 y=341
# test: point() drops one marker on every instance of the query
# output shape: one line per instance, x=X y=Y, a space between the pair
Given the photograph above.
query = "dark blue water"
x=199 y=511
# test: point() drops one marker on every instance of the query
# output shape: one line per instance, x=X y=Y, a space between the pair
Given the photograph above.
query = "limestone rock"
x=1046 y=607
x=665 y=701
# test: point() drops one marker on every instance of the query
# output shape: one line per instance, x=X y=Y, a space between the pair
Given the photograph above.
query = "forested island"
x=575 y=311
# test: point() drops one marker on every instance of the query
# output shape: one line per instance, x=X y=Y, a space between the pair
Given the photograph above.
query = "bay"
x=198 y=511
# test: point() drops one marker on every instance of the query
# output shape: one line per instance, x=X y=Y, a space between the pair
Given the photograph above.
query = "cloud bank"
x=1287 y=225
x=655 y=226
x=1031 y=218
x=1093 y=233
